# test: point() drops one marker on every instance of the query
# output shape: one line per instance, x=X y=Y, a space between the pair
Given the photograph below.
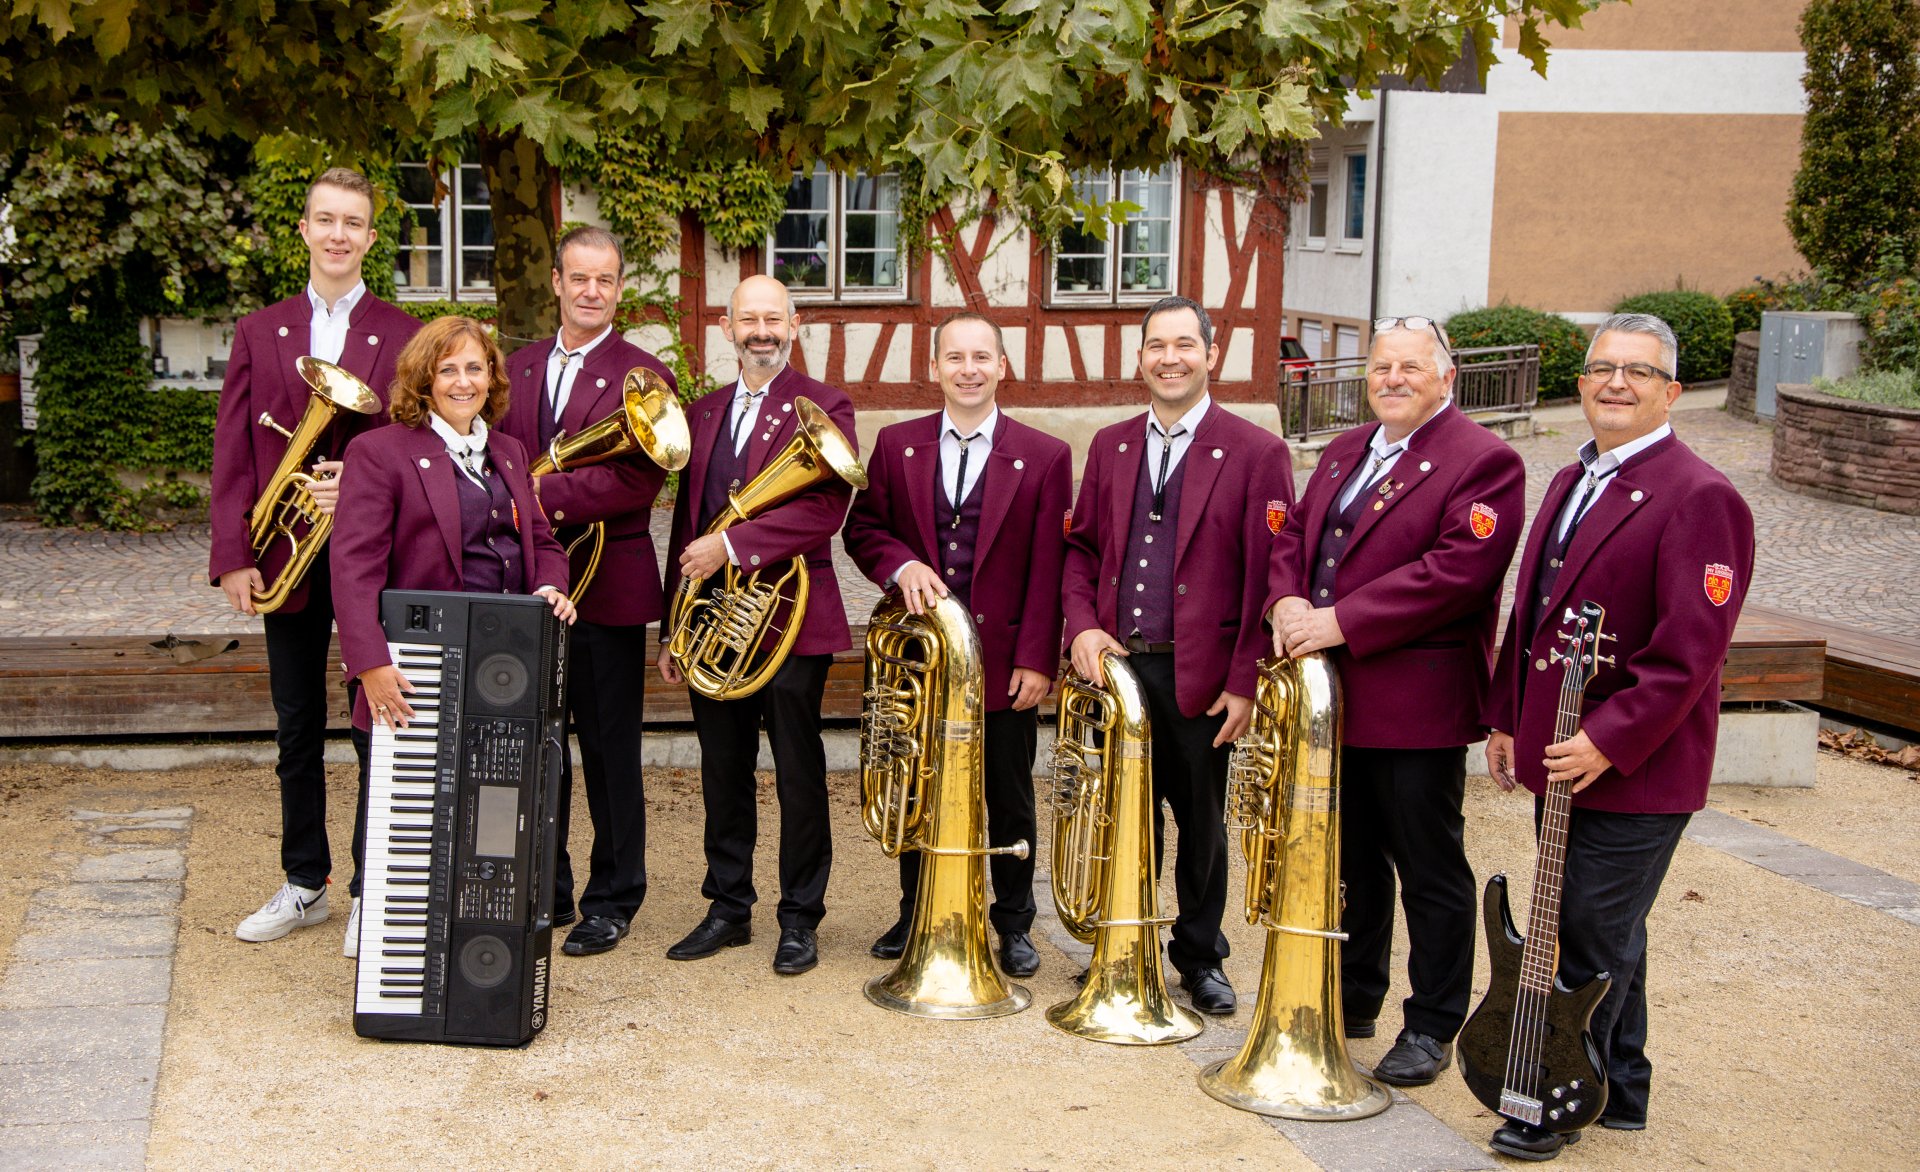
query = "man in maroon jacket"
x=1393 y=566
x=1167 y=565
x=1660 y=539
x=737 y=430
x=338 y=320
x=561 y=386
x=981 y=496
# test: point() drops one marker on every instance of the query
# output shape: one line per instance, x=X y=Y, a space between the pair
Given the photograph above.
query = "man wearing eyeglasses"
x=1393 y=565
x=736 y=432
x=1661 y=540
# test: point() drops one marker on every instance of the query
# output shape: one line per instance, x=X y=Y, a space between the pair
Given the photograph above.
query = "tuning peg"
x=1554 y=655
x=1569 y=615
x=1606 y=659
x=1609 y=638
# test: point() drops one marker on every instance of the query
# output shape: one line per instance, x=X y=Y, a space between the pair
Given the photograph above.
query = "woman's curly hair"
x=410 y=396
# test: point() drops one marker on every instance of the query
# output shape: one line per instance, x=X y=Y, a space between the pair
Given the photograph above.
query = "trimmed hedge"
x=1563 y=346
x=1701 y=324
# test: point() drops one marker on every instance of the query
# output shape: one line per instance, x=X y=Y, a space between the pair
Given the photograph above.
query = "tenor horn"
x=286 y=509
x=650 y=421
x=1283 y=795
x=1105 y=883
x=923 y=788
x=720 y=640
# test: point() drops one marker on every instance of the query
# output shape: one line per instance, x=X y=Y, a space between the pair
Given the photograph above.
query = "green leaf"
x=755 y=104
x=1225 y=20
x=1288 y=114
x=112 y=29
x=57 y=15
x=469 y=54
x=1281 y=19
x=677 y=23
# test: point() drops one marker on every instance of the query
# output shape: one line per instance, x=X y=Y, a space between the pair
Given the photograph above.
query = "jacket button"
x=979 y=618
x=598 y=383
x=1019 y=464
x=1123 y=447
x=1110 y=581
x=373 y=339
x=425 y=463
x=1539 y=665
x=908 y=452
x=755 y=559
x=1323 y=594
x=1180 y=589
x=558 y=515
x=1330 y=561
x=1339 y=532
x=283 y=331
x=1426 y=465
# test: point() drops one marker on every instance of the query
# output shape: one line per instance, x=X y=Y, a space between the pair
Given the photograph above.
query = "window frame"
x=837 y=291
x=1114 y=250
x=1347 y=210
x=453 y=246
x=1319 y=175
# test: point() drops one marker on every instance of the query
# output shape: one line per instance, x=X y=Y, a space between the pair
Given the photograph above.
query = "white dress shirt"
x=979 y=447
x=1384 y=456
x=1600 y=469
x=327 y=332
x=563 y=366
x=1181 y=437
x=741 y=421
x=469 y=451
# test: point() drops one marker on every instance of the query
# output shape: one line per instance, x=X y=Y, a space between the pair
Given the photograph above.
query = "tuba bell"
x=1283 y=797
x=717 y=640
x=286 y=508
x=923 y=787
x=650 y=420
x=1105 y=882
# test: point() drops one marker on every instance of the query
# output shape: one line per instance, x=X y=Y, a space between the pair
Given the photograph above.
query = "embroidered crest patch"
x=1483 y=520
x=1066 y=525
x=1719 y=584
x=1276 y=515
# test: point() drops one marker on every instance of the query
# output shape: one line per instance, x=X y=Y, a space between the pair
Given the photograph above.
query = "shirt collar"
x=1608 y=461
x=1382 y=447
x=1190 y=421
x=342 y=308
x=476 y=442
x=983 y=432
x=595 y=341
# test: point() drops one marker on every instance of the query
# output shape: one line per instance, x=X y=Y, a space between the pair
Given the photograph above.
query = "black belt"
x=1140 y=646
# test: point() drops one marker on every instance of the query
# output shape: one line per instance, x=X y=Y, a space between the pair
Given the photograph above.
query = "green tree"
x=1858 y=188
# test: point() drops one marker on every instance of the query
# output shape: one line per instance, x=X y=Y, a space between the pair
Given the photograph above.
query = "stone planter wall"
x=1841 y=450
x=1741 y=383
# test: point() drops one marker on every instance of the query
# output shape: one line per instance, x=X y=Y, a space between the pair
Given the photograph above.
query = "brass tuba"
x=1283 y=797
x=286 y=508
x=1105 y=883
x=923 y=787
x=649 y=420
x=717 y=640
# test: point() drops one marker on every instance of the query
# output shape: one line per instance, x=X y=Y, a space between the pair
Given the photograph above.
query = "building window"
x=1354 y=223
x=1317 y=199
x=445 y=250
x=840 y=236
x=1136 y=260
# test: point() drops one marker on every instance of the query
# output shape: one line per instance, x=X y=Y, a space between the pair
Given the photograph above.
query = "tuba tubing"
x=1283 y=799
x=923 y=788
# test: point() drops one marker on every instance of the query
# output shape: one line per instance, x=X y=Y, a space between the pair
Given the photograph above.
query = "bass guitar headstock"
x=1582 y=654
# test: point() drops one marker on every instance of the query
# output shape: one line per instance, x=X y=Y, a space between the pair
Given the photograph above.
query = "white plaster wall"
x=1003 y=272
x=1326 y=279
x=1236 y=366
x=1130 y=351
x=723 y=273
x=653 y=338
x=1437 y=222
x=897 y=367
x=1054 y=363
x=1593 y=81
x=721 y=363
x=1016 y=341
x=1093 y=349
x=813 y=343
x=860 y=338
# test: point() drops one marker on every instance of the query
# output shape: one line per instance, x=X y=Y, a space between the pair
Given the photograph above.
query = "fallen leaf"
x=541 y=1096
x=1694 y=897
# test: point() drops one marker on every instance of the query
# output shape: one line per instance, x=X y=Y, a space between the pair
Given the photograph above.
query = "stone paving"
x=1832 y=561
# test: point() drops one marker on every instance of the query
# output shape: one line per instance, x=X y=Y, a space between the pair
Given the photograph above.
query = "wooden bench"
x=1867 y=675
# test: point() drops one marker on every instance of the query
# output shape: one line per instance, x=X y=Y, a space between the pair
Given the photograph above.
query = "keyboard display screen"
x=498 y=822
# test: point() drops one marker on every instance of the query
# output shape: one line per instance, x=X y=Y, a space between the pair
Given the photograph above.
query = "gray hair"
x=588 y=236
x=1170 y=304
x=1436 y=333
x=1642 y=323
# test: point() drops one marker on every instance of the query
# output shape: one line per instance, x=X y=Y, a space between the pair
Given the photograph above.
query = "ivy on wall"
x=283 y=167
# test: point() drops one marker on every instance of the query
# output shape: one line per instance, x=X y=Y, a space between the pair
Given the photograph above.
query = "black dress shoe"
x=1622 y=1123
x=595 y=934
x=1414 y=1061
x=1209 y=990
x=710 y=936
x=797 y=952
x=891 y=945
x=562 y=919
x=1017 y=956
x=1359 y=1028
x=1524 y=1141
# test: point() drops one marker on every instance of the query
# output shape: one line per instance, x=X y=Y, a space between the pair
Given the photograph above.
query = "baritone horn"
x=1283 y=795
x=717 y=640
x=286 y=508
x=1105 y=883
x=650 y=421
x=923 y=788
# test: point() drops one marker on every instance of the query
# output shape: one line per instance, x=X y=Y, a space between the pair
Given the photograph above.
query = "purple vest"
x=490 y=554
x=1553 y=555
x=957 y=534
x=725 y=472
x=1336 y=532
x=1146 y=577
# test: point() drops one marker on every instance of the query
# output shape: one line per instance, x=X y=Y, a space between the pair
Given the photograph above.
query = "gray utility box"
x=1794 y=347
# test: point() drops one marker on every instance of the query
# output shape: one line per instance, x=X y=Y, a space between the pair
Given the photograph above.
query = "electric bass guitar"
x=1527 y=1051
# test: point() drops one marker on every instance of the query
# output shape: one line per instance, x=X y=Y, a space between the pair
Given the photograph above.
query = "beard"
x=783 y=348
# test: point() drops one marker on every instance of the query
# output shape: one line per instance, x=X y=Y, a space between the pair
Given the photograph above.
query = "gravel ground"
x=1765 y=1056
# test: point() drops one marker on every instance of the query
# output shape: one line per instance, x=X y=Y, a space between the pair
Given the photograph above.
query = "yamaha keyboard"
x=456 y=938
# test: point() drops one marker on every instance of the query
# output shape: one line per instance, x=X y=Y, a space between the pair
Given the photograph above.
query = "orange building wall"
x=1701 y=26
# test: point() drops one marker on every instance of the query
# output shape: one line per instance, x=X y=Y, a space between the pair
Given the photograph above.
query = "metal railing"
x=1330 y=394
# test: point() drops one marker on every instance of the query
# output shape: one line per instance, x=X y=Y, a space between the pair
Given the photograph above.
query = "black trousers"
x=607 y=692
x=297 y=653
x=729 y=732
x=1012 y=739
x=1400 y=813
x=1615 y=865
x=1190 y=778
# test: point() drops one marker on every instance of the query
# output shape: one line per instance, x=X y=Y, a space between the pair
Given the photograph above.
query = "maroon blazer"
x=1668 y=551
x=1239 y=481
x=803 y=526
x=1417 y=592
x=261 y=377
x=398 y=528
x=1016 y=566
x=625 y=591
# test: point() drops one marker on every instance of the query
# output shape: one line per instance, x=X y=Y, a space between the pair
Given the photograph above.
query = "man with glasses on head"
x=737 y=430
x=1392 y=565
x=1661 y=539
x=1165 y=566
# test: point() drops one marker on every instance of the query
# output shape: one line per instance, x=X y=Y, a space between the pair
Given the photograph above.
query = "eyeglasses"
x=1638 y=374
x=1383 y=324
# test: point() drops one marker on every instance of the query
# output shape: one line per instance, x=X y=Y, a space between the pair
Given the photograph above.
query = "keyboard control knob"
x=1554 y=1114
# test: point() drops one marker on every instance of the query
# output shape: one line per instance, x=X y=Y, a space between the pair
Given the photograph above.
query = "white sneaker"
x=291 y=907
x=351 y=946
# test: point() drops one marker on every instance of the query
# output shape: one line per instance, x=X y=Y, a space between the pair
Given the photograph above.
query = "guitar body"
x=1572 y=1088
